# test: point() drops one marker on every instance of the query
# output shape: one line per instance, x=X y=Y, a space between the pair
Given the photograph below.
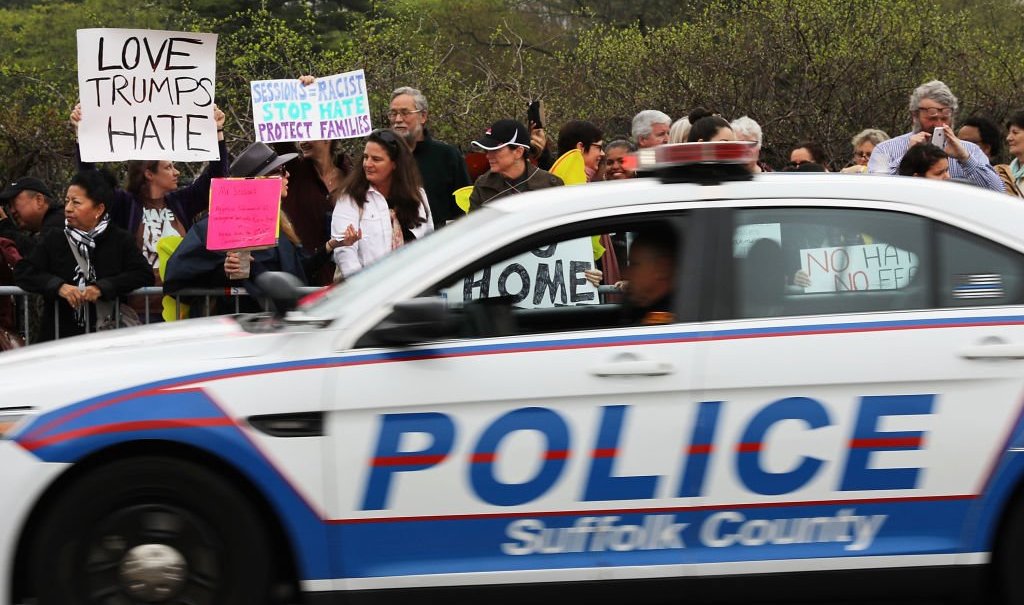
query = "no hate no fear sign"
x=146 y=95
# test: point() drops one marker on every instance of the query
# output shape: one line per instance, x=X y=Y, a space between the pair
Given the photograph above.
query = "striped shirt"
x=886 y=157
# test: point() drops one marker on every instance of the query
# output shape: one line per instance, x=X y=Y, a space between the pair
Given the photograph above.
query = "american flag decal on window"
x=978 y=285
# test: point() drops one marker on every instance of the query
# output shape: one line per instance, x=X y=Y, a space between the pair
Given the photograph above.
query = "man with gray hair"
x=441 y=165
x=650 y=128
x=746 y=129
x=932 y=106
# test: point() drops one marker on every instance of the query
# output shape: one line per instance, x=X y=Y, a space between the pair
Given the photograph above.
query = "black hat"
x=503 y=133
x=259 y=159
x=26 y=183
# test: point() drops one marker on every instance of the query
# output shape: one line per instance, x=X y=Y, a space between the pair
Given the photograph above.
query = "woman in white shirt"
x=381 y=206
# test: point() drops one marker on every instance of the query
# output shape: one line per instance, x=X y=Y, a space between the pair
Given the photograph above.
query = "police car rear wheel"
x=151 y=530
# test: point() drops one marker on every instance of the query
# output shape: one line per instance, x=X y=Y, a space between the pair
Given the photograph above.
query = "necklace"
x=330 y=179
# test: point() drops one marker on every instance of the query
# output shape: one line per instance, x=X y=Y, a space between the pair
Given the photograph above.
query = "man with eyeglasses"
x=441 y=165
x=932 y=106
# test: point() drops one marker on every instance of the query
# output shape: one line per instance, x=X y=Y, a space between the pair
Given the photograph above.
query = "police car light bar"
x=699 y=162
x=683 y=154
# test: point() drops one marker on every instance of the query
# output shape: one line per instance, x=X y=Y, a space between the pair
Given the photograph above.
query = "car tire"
x=150 y=530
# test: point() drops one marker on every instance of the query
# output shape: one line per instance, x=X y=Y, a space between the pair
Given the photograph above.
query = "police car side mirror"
x=283 y=290
x=412 y=321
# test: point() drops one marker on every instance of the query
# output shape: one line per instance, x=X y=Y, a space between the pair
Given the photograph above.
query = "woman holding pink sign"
x=381 y=207
x=193 y=265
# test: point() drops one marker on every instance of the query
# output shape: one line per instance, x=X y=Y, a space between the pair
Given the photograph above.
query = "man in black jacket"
x=441 y=165
x=33 y=212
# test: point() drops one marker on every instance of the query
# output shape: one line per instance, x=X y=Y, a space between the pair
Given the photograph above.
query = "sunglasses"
x=387 y=137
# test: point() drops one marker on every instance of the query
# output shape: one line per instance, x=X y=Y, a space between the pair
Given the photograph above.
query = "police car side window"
x=548 y=287
x=811 y=261
x=976 y=272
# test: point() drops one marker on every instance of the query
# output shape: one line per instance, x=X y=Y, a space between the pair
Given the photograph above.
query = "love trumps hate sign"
x=146 y=95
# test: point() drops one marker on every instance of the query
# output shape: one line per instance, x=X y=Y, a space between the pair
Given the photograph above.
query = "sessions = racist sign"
x=333 y=107
x=146 y=95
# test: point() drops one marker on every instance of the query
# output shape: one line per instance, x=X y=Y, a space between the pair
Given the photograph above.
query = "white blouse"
x=375 y=222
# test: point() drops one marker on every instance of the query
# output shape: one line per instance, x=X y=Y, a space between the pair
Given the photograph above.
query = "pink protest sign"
x=244 y=213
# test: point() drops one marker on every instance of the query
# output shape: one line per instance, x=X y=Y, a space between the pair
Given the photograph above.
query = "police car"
x=833 y=394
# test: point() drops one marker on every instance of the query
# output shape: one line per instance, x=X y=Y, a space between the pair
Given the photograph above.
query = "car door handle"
x=633 y=367
x=997 y=349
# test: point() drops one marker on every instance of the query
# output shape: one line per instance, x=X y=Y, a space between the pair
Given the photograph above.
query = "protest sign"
x=864 y=267
x=546 y=277
x=244 y=213
x=746 y=236
x=146 y=95
x=333 y=107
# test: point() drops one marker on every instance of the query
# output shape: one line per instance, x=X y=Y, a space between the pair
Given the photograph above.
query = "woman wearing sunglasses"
x=381 y=207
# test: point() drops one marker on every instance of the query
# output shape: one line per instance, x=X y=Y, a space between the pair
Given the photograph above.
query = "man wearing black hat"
x=33 y=211
x=507 y=142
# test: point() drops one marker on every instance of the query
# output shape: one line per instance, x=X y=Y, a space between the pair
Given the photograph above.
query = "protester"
x=194 y=266
x=92 y=260
x=984 y=133
x=313 y=175
x=588 y=139
x=1012 y=174
x=615 y=160
x=650 y=128
x=864 y=143
x=507 y=143
x=925 y=160
x=807 y=152
x=679 y=131
x=746 y=129
x=381 y=207
x=442 y=169
x=33 y=212
x=932 y=105
x=708 y=127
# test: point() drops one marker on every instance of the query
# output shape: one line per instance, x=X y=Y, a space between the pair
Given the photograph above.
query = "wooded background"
x=804 y=69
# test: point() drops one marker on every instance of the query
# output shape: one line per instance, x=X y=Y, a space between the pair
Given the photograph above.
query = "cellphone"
x=939 y=138
x=535 y=114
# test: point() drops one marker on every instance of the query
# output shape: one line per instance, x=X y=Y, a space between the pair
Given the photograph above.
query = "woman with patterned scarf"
x=91 y=261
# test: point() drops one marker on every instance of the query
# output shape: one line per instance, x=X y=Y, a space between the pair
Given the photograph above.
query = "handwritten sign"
x=146 y=95
x=864 y=267
x=546 y=277
x=244 y=213
x=334 y=107
x=746 y=235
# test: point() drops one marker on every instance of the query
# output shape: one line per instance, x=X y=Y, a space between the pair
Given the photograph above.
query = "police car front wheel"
x=150 y=530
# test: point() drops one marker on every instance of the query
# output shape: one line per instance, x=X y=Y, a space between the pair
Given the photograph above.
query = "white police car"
x=833 y=392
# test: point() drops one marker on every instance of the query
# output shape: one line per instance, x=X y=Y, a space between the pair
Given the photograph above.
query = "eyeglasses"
x=864 y=155
x=405 y=113
x=798 y=163
x=935 y=112
x=282 y=171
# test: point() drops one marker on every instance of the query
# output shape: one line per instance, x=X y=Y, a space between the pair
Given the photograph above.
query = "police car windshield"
x=329 y=304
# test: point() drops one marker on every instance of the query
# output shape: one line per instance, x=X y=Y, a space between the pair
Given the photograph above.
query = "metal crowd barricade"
x=22 y=297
